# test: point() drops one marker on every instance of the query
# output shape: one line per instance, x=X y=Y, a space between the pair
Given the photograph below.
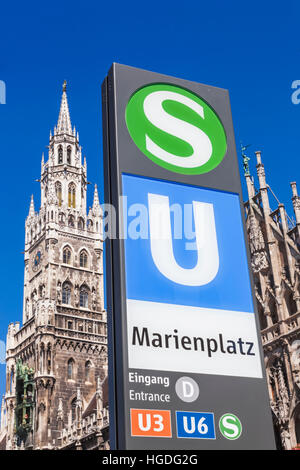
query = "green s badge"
x=176 y=129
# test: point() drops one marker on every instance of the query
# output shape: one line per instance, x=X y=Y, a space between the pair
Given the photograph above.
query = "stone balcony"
x=89 y=425
x=289 y=325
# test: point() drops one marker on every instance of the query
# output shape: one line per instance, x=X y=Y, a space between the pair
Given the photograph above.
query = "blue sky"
x=252 y=49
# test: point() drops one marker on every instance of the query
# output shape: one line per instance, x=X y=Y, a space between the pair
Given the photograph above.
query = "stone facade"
x=91 y=430
x=57 y=360
x=274 y=241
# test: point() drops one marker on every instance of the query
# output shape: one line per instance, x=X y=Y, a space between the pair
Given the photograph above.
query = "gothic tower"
x=274 y=240
x=57 y=357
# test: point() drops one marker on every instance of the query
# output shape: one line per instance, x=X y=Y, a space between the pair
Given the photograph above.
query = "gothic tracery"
x=274 y=248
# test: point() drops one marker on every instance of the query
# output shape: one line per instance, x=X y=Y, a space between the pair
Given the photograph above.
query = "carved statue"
x=58 y=292
x=76 y=296
x=94 y=299
x=259 y=261
x=245 y=160
x=246 y=165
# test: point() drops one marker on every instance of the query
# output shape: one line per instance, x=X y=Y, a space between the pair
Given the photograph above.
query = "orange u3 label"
x=151 y=423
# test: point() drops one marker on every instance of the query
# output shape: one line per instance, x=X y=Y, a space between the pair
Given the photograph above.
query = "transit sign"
x=185 y=358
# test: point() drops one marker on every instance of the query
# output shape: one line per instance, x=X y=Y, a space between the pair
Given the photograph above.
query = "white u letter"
x=161 y=243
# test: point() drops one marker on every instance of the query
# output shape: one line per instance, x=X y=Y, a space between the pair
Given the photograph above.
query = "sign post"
x=185 y=359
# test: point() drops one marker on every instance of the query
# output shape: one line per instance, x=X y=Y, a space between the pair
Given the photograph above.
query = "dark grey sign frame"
x=122 y=156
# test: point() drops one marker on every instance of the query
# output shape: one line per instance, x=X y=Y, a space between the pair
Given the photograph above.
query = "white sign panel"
x=192 y=339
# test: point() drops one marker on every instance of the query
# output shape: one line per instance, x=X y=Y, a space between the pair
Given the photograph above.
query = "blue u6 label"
x=195 y=425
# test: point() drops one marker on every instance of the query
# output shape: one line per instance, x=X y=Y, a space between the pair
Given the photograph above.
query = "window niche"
x=60 y=155
x=66 y=293
x=84 y=297
x=83 y=259
x=70 y=369
x=67 y=256
x=69 y=154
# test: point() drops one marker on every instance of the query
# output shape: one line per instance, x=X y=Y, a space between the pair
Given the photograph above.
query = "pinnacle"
x=31 y=208
x=64 y=121
x=96 y=198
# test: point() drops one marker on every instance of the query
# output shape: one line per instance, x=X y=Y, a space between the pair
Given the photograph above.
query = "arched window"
x=42 y=355
x=67 y=256
x=83 y=259
x=66 y=293
x=12 y=373
x=58 y=192
x=71 y=221
x=60 y=154
x=70 y=369
x=71 y=195
x=69 y=153
x=290 y=303
x=84 y=297
x=61 y=218
x=48 y=359
x=90 y=224
x=88 y=368
x=262 y=317
x=80 y=223
x=41 y=290
x=73 y=408
x=273 y=311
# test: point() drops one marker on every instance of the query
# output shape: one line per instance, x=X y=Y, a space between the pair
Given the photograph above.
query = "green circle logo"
x=176 y=129
x=230 y=426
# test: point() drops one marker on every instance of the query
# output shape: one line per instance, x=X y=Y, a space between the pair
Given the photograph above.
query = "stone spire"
x=64 y=120
x=296 y=202
x=263 y=187
x=31 y=208
x=96 y=204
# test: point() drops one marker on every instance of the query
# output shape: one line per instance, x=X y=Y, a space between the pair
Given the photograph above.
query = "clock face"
x=37 y=260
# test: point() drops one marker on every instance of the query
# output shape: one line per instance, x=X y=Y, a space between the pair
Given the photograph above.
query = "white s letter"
x=199 y=141
x=231 y=426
